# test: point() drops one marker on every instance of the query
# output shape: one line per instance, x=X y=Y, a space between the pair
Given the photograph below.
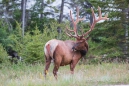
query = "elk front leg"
x=72 y=65
x=47 y=64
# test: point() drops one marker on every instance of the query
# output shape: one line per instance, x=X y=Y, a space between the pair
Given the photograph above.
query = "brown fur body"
x=62 y=54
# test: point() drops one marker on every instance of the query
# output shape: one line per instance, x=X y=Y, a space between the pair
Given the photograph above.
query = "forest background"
x=26 y=28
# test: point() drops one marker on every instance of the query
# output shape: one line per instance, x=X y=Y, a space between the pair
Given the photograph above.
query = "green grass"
x=84 y=75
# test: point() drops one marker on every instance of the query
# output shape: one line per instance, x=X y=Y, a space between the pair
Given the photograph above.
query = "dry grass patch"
x=85 y=75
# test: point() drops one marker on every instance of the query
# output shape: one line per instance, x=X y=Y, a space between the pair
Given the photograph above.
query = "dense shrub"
x=3 y=55
x=31 y=46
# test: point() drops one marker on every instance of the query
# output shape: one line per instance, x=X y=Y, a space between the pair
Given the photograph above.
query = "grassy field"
x=85 y=75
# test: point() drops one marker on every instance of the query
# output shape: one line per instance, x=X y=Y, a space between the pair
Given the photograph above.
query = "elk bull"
x=69 y=52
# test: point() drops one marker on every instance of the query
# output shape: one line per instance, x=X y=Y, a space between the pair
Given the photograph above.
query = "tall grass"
x=85 y=75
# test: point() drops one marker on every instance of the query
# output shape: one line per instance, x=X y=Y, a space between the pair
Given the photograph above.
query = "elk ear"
x=87 y=38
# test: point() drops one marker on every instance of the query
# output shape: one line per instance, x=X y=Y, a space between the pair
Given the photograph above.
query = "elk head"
x=81 y=40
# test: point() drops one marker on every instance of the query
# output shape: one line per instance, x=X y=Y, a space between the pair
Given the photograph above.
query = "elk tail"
x=50 y=48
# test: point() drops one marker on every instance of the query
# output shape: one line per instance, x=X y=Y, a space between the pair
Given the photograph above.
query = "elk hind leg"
x=47 y=64
x=56 y=66
x=55 y=70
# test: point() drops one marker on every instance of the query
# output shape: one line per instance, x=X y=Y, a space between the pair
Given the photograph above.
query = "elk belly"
x=65 y=62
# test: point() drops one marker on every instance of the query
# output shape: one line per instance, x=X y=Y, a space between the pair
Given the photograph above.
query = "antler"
x=95 y=20
x=79 y=19
x=74 y=25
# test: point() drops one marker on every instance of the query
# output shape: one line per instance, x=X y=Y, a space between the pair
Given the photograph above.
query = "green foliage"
x=104 y=39
x=34 y=52
x=40 y=17
x=17 y=14
x=4 y=32
x=3 y=55
x=15 y=38
x=31 y=46
x=108 y=37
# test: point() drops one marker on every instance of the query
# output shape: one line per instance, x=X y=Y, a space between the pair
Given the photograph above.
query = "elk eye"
x=73 y=48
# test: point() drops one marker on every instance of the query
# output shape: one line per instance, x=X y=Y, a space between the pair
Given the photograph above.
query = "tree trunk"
x=126 y=25
x=42 y=8
x=61 y=12
x=60 y=19
x=7 y=20
x=6 y=15
x=23 y=8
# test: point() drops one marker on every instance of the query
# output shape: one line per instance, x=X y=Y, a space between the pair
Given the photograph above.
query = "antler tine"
x=77 y=13
x=75 y=24
x=78 y=19
x=95 y=20
x=71 y=16
x=100 y=15
x=75 y=31
x=99 y=10
x=69 y=29
x=69 y=34
x=93 y=14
